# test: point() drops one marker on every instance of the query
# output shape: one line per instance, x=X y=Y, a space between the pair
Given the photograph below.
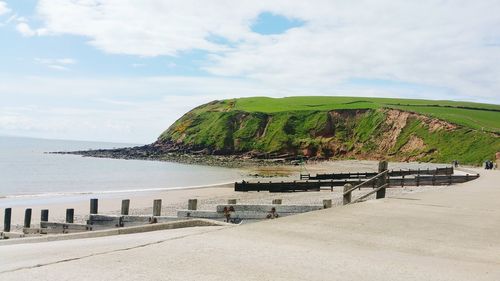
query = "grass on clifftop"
x=474 y=115
x=339 y=127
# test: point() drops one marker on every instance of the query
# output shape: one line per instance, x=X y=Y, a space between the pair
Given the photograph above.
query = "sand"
x=447 y=233
x=208 y=196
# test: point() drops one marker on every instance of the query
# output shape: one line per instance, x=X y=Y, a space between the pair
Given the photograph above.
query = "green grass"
x=340 y=127
x=474 y=115
x=467 y=145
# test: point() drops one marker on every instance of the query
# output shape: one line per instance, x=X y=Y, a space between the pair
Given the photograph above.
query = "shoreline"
x=275 y=172
x=447 y=233
x=174 y=199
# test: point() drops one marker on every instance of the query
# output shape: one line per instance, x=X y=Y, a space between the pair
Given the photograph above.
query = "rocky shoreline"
x=153 y=153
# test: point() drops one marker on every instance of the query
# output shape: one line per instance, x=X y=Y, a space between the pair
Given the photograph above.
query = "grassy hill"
x=474 y=115
x=341 y=127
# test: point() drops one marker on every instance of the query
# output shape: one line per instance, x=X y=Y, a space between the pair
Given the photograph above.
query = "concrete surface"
x=116 y=231
x=450 y=233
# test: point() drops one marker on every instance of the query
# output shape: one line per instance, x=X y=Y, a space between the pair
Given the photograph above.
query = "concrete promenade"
x=451 y=233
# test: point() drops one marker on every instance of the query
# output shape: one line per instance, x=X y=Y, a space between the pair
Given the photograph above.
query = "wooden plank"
x=70 y=215
x=94 y=206
x=366 y=182
x=382 y=180
x=125 y=207
x=347 y=196
x=69 y=226
x=7 y=219
x=192 y=204
x=44 y=215
x=104 y=220
x=369 y=193
x=157 y=207
x=27 y=218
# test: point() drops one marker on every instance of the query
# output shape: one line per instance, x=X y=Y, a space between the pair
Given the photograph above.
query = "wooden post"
x=125 y=207
x=157 y=207
x=231 y=201
x=44 y=215
x=382 y=166
x=7 y=219
x=348 y=196
x=27 y=218
x=327 y=203
x=449 y=180
x=417 y=178
x=192 y=204
x=434 y=179
x=403 y=181
x=70 y=215
x=94 y=206
x=276 y=201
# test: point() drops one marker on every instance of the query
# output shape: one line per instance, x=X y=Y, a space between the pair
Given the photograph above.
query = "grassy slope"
x=298 y=123
x=446 y=110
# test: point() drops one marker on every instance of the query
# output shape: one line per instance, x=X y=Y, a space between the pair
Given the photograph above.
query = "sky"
x=124 y=70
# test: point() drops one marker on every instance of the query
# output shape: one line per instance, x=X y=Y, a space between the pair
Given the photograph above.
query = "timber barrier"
x=295 y=186
x=392 y=173
x=395 y=178
x=232 y=212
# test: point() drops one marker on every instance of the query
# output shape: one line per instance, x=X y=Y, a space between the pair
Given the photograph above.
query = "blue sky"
x=121 y=70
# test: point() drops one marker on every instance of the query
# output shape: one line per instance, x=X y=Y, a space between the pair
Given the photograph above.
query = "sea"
x=26 y=170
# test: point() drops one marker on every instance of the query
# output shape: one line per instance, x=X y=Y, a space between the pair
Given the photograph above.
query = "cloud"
x=436 y=44
x=24 y=28
x=108 y=109
x=4 y=9
x=57 y=64
x=130 y=109
x=430 y=49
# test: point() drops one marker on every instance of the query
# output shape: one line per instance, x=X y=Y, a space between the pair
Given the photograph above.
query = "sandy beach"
x=208 y=196
x=447 y=233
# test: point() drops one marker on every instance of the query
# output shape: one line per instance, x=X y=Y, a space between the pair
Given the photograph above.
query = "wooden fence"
x=392 y=173
x=381 y=183
x=310 y=185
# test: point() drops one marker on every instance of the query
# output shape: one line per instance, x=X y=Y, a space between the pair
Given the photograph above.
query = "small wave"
x=76 y=193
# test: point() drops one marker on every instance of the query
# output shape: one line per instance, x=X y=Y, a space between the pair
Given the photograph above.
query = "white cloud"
x=128 y=109
x=435 y=49
x=57 y=64
x=4 y=9
x=25 y=29
x=441 y=44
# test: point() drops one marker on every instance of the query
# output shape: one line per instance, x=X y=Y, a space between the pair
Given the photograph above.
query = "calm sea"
x=26 y=170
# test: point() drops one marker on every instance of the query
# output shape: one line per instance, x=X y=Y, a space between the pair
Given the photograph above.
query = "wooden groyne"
x=392 y=173
x=233 y=212
x=395 y=178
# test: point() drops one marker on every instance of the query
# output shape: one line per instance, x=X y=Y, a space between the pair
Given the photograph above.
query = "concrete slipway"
x=451 y=233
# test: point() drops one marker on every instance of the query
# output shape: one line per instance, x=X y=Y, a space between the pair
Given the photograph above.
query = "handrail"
x=365 y=182
x=370 y=193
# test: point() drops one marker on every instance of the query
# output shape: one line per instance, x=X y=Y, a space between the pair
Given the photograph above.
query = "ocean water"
x=25 y=170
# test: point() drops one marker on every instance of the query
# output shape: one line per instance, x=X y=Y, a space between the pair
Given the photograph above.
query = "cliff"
x=339 y=128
